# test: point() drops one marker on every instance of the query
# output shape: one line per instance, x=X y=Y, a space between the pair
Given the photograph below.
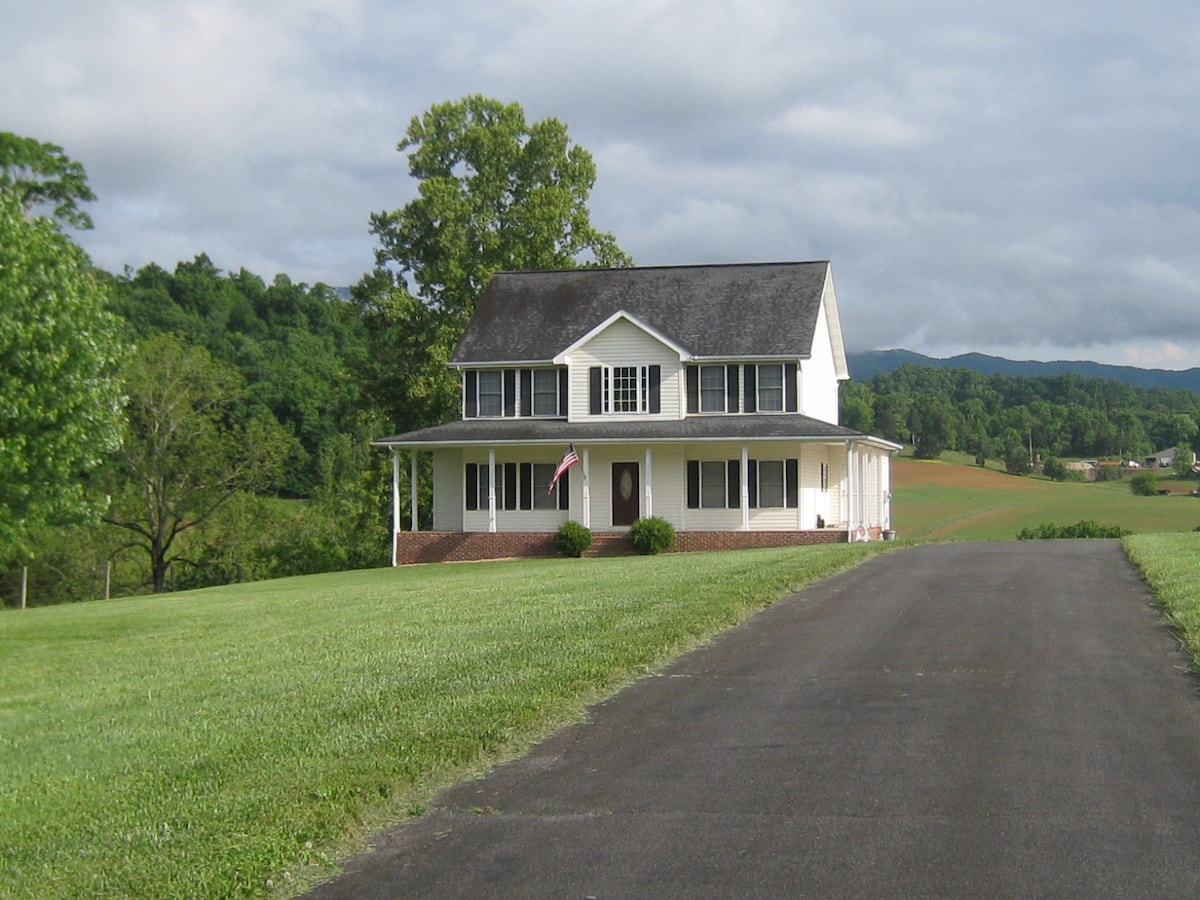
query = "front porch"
x=464 y=546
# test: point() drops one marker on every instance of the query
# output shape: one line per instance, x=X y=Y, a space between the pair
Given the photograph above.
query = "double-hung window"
x=519 y=486
x=545 y=392
x=713 y=493
x=625 y=389
x=712 y=389
x=494 y=393
x=770 y=388
x=491 y=393
x=625 y=394
x=770 y=483
x=717 y=484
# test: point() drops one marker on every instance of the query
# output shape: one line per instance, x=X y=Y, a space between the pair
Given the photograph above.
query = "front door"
x=625 y=500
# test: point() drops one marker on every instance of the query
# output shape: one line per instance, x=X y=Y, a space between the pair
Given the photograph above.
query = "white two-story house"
x=707 y=395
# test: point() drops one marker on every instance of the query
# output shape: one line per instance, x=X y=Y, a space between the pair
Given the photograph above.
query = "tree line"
x=1017 y=418
x=164 y=429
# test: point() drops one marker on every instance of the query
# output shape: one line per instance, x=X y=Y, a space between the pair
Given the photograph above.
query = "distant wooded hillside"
x=864 y=366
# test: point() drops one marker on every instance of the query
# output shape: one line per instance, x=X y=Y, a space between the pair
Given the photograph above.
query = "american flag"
x=569 y=459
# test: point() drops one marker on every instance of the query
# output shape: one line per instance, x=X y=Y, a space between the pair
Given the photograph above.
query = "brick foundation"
x=461 y=546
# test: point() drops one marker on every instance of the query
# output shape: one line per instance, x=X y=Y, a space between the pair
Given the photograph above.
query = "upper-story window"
x=770 y=388
x=492 y=393
x=545 y=392
x=712 y=389
x=748 y=388
x=625 y=389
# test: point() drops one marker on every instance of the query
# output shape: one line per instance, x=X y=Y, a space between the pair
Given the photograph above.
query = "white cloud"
x=983 y=176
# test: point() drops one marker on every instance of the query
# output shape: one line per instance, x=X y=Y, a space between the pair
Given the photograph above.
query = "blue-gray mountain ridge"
x=865 y=365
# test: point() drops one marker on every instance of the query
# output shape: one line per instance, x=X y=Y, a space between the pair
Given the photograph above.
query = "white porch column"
x=649 y=489
x=412 y=488
x=491 y=491
x=395 y=500
x=744 y=487
x=851 y=490
x=885 y=485
x=587 y=490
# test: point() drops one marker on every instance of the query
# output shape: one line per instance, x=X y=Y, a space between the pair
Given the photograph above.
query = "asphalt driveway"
x=962 y=720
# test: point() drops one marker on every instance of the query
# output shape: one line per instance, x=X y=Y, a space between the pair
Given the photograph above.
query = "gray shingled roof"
x=693 y=428
x=718 y=311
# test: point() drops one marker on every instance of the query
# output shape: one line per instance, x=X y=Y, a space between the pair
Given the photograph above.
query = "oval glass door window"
x=626 y=486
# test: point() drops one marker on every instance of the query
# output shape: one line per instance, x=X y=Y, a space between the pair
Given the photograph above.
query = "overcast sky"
x=1017 y=178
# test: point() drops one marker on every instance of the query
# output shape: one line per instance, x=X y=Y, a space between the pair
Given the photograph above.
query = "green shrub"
x=1086 y=528
x=653 y=535
x=1054 y=469
x=1016 y=462
x=1144 y=484
x=572 y=539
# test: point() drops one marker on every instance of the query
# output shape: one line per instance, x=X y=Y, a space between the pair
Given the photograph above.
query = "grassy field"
x=231 y=742
x=942 y=500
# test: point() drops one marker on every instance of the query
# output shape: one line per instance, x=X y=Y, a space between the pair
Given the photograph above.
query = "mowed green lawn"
x=231 y=742
x=934 y=500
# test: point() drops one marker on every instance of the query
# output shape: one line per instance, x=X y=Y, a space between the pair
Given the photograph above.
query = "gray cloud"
x=1012 y=178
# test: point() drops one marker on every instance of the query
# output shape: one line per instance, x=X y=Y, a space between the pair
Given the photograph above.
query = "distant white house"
x=706 y=395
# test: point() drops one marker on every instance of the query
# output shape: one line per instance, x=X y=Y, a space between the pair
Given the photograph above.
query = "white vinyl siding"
x=624 y=345
x=818 y=376
x=448 y=497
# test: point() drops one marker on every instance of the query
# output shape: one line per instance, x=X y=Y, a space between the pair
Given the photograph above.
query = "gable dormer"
x=624 y=369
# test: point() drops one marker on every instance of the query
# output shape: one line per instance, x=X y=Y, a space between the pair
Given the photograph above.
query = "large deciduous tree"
x=41 y=174
x=494 y=193
x=188 y=449
x=60 y=352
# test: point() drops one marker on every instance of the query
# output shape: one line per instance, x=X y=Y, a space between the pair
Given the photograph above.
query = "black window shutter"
x=472 y=380
x=472 y=486
x=595 y=389
x=752 y=482
x=655 y=389
x=693 y=484
x=527 y=392
x=791 y=483
x=562 y=392
x=510 y=486
x=526 y=485
x=510 y=392
x=564 y=490
x=693 y=389
x=751 y=392
x=731 y=389
x=733 y=484
x=790 y=403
